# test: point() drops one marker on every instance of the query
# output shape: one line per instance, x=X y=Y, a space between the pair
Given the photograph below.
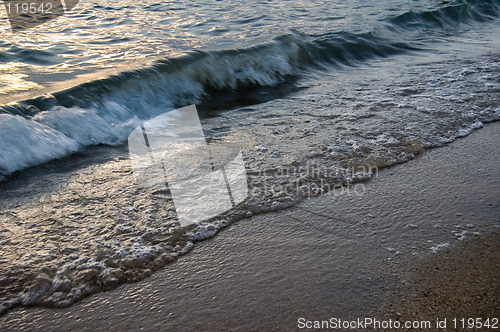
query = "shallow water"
x=318 y=98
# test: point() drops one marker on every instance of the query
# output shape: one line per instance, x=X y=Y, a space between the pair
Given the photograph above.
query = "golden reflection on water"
x=11 y=79
x=102 y=37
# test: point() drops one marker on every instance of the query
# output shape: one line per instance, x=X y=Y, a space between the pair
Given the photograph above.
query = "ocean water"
x=318 y=96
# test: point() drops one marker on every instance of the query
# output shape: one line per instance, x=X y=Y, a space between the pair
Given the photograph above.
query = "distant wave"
x=451 y=15
x=105 y=111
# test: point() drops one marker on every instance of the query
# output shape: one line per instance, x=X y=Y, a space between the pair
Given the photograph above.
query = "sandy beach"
x=460 y=283
x=436 y=255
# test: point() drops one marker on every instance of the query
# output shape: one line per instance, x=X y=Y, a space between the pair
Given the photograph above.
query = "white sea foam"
x=25 y=143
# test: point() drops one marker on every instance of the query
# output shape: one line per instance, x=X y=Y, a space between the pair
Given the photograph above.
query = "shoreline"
x=333 y=256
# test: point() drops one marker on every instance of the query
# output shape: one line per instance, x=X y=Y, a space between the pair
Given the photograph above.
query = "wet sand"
x=343 y=256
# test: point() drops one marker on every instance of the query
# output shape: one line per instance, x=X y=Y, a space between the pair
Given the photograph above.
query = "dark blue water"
x=115 y=35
